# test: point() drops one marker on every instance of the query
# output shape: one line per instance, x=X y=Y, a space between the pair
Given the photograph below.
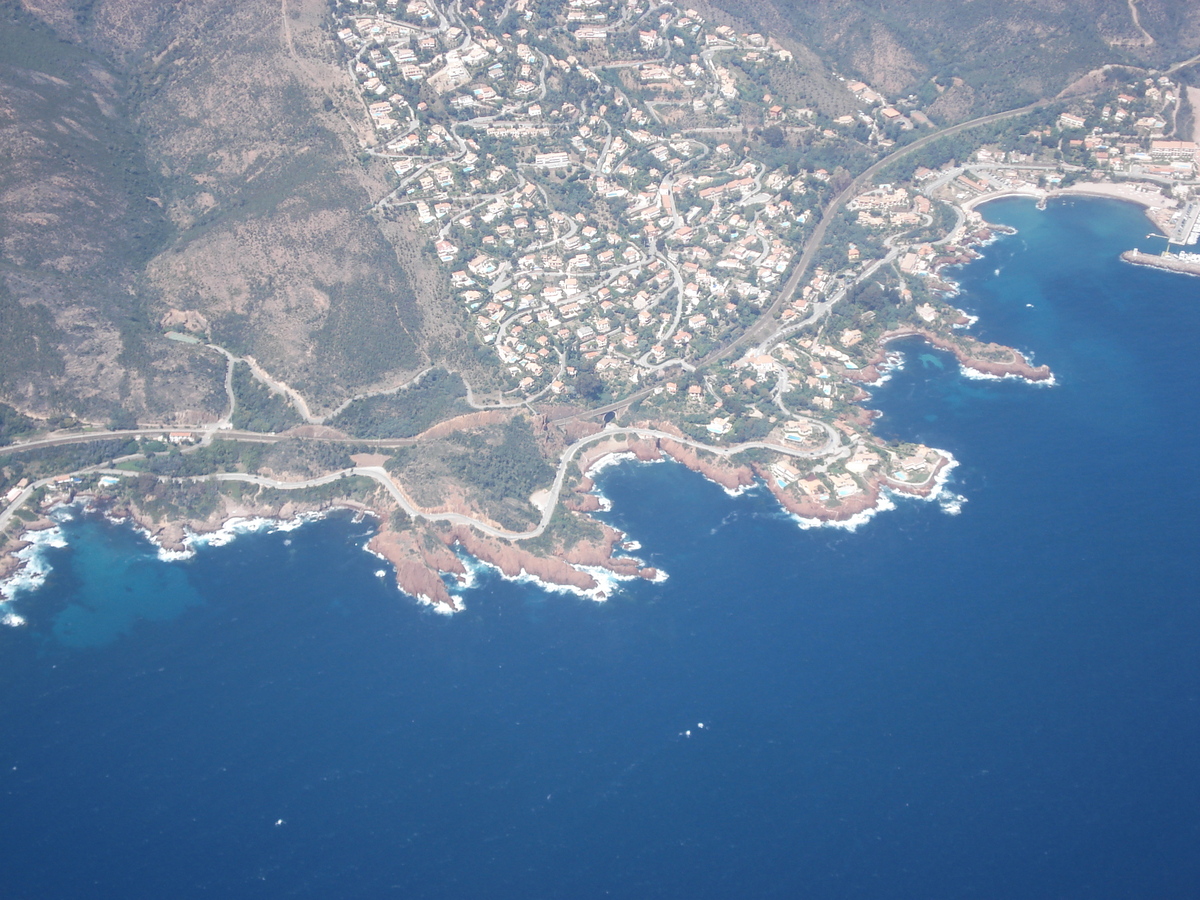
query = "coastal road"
x=377 y=473
x=148 y=431
x=832 y=446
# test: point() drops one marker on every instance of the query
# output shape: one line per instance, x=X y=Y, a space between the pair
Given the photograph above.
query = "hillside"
x=82 y=213
x=970 y=58
x=203 y=173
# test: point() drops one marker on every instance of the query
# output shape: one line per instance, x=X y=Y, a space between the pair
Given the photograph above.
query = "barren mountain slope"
x=249 y=120
x=80 y=214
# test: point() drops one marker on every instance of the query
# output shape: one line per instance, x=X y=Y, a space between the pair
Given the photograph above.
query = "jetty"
x=1185 y=263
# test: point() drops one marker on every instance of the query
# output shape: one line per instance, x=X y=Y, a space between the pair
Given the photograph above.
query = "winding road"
x=380 y=475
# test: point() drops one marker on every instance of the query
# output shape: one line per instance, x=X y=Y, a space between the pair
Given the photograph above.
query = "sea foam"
x=230 y=530
x=976 y=375
x=33 y=569
x=852 y=524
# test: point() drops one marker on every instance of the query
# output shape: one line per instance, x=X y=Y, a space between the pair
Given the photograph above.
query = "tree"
x=773 y=135
x=589 y=385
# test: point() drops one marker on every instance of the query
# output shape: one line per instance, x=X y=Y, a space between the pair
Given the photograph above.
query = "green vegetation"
x=504 y=473
x=164 y=501
x=173 y=501
x=258 y=408
x=102 y=145
x=843 y=231
x=1007 y=134
x=437 y=396
x=219 y=456
x=569 y=193
x=29 y=342
x=81 y=165
x=514 y=467
x=73 y=456
x=309 y=457
x=297 y=456
x=46 y=461
x=348 y=487
x=566 y=529
x=369 y=330
x=13 y=424
x=841 y=156
x=871 y=307
x=396 y=462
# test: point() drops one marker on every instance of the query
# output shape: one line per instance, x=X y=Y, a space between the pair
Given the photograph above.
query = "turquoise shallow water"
x=1004 y=702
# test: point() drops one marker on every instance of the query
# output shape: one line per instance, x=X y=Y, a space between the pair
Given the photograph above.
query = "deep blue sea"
x=1003 y=703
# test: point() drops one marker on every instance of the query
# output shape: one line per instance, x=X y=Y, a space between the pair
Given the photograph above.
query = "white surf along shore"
x=36 y=567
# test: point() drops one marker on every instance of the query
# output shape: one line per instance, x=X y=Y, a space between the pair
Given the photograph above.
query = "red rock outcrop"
x=418 y=564
x=461 y=423
x=1016 y=365
x=582 y=502
x=729 y=476
x=808 y=508
x=645 y=450
x=513 y=560
x=726 y=474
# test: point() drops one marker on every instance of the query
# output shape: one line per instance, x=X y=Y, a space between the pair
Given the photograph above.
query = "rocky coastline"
x=856 y=508
x=421 y=564
x=429 y=557
x=425 y=556
x=971 y=360
x=178 y=535
x=10 y=562
x=809 y=510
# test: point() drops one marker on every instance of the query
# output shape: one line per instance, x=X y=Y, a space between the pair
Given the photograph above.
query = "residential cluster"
x=583 y=226
x=594 y=179
x=1131 y=131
